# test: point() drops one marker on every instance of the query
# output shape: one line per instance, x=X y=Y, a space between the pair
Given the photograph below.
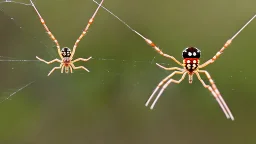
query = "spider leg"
x=71 y=70
x=62 y=69
x=215 y=93
x=59 y=67
x=148 y=41
x=55 y=60
x=161 y=83
x=172 y=68
x=225 y=46
x=166 y=84
x=81 y=59
x=79 y=67
x=85 y=30
x=47 y=29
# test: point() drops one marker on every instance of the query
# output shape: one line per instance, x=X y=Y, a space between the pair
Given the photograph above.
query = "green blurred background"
x=106 y=106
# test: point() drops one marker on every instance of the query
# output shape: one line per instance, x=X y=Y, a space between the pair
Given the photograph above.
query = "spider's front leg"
x=148 y=41
x=79 y=67
x=224 y=46
x=55 y=60
x=216 y=55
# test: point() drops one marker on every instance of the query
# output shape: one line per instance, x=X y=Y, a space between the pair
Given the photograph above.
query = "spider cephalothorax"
x=66 y=55
x=190 y=66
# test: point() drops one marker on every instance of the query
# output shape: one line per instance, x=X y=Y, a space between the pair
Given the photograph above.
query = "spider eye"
x=66 y=52
x=191 y=52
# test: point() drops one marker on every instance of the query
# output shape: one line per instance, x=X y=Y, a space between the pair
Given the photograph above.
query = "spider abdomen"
x=66 y=52
x=191 y=64
x=66 y=61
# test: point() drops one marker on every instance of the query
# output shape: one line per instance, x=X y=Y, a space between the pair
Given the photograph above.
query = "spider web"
x=15 y=63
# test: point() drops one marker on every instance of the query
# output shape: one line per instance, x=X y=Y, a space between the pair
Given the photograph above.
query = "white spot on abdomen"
x=188 y=66
x=194 y=66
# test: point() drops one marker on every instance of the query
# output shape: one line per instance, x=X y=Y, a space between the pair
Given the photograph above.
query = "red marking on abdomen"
x=191 y=60
x=66 y=62
x=191 y=64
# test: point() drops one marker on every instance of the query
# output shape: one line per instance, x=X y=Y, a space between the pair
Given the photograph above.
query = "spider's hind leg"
x=166 y=84
x=79 y=67
x=165 y=80
x=59 y=67
x=213 y=89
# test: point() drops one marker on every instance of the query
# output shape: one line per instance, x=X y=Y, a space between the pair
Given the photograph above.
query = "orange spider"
x=65 y=53
x=190 y=66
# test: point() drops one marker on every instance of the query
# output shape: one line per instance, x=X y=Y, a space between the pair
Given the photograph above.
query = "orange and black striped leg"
x=225 y=46
x=47 y=29
x=159 y=51
x=85 y=30
x=213 y=89
x=146 y=39
x=216 y=55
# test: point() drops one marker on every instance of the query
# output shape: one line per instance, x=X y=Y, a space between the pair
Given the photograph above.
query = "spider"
x=65 y=53
x=190 y=66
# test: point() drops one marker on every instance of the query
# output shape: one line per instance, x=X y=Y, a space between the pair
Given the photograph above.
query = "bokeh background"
x=106 y=106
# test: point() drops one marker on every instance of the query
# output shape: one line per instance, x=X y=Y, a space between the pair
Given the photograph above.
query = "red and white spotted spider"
x=191 y=56
x=65 y=53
